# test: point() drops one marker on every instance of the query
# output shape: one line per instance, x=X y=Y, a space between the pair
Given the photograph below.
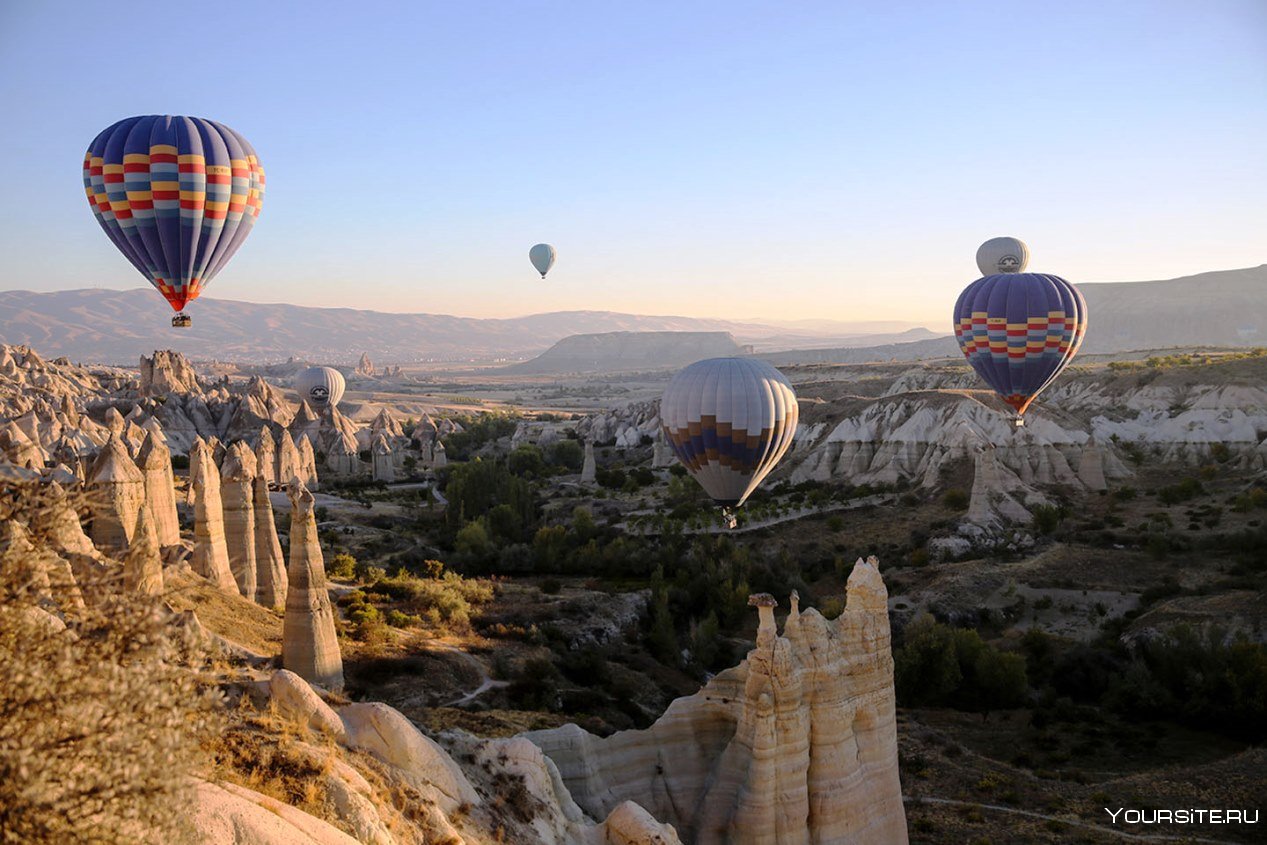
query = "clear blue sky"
x=733 y=159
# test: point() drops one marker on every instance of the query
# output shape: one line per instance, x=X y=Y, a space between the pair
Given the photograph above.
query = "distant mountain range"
x=611 y=351
x=1225 y=308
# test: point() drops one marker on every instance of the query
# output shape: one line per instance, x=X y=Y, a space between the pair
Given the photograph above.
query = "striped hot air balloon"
x=176 y=195
x=729 y=421
x=320 y=387
x=1019 y=331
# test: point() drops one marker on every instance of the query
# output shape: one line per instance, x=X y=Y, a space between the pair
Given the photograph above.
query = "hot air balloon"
x=1019 y=331
x=1002 y=255
x=729 y=421
x=177 y=196
x=320 y=387
x=542 y=257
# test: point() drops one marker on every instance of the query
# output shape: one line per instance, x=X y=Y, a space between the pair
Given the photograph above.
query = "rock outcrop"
x=270 y=566
x=237 y=483
x=310 y=647
x=167 y=372
x=211 y=550
x=795 y=745
x=143 y=565
x=588 y=468
x=116 y=492
x=155 y=462
x=266 y=456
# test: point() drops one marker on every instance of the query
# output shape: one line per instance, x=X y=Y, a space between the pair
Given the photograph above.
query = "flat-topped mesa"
x=270 y=565
x=167 y=372
x=797 y=744
x=237 y=477
x=307 y=463
x=310 y=646
x=266 y=456
x=143 y=564
x=155 y=462
x=211 y=553
x=116 y=491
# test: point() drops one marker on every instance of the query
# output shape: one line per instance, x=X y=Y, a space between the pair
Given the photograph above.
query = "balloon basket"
x=729 y=519
x=1018 y=421
x=181 y=321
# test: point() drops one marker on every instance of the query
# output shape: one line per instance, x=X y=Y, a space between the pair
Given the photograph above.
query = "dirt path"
x=1098 y=828
x=486 y=681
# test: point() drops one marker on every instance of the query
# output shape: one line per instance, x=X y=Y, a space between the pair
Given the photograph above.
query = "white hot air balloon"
x=729 y=421
x=542 y=257
x=320 y=387
x=1002 y=255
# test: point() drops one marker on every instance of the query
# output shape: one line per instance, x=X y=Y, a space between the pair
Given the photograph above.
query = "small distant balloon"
x=729 y=421
x=320 y=387
x=1019 y=330
x=1002 y=255
x=542 y=257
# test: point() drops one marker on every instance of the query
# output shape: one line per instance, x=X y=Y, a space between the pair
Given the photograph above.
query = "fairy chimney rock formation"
x=270 y=565
x=211 y=552
x=57 y=521
x=143 y=565
x=160 y=487
x=167 y=372
x=307 y=463
x=237 y=477
x=588 y=469
x=384 y=466
x=365 y=367
x=116 y=492
x=266 y=456
x=310 y=647
x=287 y=460
x=797 y=744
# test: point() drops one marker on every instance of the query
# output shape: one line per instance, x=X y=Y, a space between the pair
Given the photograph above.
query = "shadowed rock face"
x=270 y=566
x=155 y=461
x=211 y=552
x=266 y=456
x=116 y=490
x=797 y=744
x=143 y=565
x=310 y=647
x=237 y=476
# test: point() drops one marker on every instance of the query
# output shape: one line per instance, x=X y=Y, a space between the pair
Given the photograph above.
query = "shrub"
x=342 y=565
x=956 y=499
x=551 y=586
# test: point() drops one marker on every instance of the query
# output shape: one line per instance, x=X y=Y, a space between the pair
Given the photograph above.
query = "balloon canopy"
x=1019 y=331
x=729 y=421
x=542 y=257
x=1002 y=255
x=320 y=387
x=176 y=195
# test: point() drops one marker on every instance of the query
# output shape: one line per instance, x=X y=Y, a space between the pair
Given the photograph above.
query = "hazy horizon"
x=730 y=160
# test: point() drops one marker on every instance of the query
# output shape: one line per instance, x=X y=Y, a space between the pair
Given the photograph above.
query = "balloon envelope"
x=729 y=421
x=320 y=387
x=176 y=195
x=542 y=257
x=1002 y=255
x=1019 y=331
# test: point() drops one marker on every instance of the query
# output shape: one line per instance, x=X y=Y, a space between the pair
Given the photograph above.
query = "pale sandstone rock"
x=307 y=463
x=588 y=468
x=795 y=745
x=266 y=456
x=116 y=491
x=143 y=565
x=310 y=647
x=167 y=372
x=287 y=460
x=237 y=477
x=384 y=732
x=228 y=814
x=630 y=824
x=211 y=551
x=384 y=468
x=58 y=523
x=155 y=462
x=298 y=701
x=270 y=565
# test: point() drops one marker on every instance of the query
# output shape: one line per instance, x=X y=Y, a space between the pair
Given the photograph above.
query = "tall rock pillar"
x=310 y=647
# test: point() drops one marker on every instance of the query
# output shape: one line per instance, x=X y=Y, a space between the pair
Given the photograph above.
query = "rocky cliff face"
x=795 y=745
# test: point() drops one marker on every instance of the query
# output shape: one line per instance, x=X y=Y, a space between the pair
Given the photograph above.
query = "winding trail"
x=1098 y=828
x=486 y=681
